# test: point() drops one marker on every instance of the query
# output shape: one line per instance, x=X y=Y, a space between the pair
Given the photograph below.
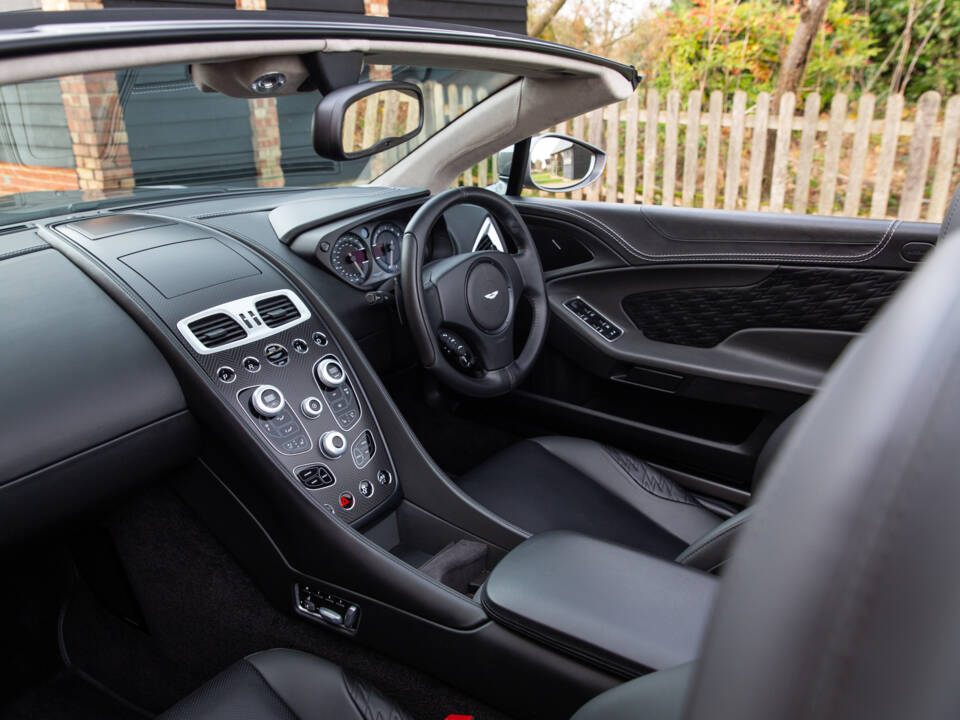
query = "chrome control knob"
x=330 y=373
x=333 y=444
x=267 y=401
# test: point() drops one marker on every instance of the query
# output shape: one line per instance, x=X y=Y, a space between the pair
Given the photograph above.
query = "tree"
x=919 y=40
x=730 y=45
x=536 y=27
x=793 y=68
x=794 y=65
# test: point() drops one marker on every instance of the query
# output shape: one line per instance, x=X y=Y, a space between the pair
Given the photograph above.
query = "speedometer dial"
x=386 y=246
x=350 y=259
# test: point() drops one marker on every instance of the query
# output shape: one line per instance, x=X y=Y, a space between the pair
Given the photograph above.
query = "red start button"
x=346 y=500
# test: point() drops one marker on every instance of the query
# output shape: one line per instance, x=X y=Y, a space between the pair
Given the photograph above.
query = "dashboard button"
x=300 y=345
x=316 y=476
x=333 y=444
x=330 y=373
x=251 y=364
x=296 y=444
x=319 y=338
x=267 y=401
x=363 y=449
x=277 y=354
x=346 y=501
x=311 y=407
x=226 y=374
x=384 y=477
x=366 y=488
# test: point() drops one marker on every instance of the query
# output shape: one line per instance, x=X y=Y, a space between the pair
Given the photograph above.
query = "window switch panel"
x=592 y=318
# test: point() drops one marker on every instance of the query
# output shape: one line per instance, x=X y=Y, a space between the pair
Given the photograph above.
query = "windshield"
x=82 y=141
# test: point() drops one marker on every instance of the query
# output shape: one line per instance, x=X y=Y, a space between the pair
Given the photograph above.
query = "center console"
x=293 y=388
x=266 y=354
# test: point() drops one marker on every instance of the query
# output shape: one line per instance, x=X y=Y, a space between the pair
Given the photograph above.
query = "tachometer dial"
x=350 y=258
x=386 y=246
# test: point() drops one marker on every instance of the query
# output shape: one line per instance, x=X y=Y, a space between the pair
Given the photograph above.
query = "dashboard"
x=120 y=318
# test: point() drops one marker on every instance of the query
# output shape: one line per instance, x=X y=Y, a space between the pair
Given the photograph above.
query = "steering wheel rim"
x=475 y=294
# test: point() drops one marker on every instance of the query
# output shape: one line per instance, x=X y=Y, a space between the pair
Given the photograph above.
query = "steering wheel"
x=473 y=297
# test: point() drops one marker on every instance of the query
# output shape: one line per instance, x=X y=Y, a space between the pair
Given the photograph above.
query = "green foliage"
x=938 y=63
x=728 y=45
x=732 y=45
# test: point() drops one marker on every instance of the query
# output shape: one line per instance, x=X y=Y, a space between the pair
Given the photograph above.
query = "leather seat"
x=565 y=483
x=284 y=685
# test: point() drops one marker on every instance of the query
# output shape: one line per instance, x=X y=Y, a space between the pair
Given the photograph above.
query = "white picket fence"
x=847 y=161
x=851 y=159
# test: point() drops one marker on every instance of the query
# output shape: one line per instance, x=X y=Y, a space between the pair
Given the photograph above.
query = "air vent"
x=277 y=310
x=216 y=330
x=242 y=321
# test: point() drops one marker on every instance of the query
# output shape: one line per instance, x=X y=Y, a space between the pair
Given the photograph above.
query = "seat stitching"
x=653 y=477
x=699 y=548
x=271 y=689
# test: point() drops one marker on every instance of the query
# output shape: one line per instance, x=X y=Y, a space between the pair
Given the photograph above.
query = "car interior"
x=379 y=447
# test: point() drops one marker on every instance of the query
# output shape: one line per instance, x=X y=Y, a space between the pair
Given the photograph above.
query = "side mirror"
x=361 y=120
x=505 y=164
x=559 y=163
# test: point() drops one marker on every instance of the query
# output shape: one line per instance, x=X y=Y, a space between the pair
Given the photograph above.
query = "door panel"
x=643 y=234
x=729 y=321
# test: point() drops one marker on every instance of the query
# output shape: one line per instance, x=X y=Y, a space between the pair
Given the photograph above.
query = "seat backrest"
x=841 y=598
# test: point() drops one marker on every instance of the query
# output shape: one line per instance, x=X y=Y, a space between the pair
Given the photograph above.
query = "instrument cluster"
x=368 y=254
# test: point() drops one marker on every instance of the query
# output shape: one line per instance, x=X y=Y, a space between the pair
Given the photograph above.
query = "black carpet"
x=67 y=696
x=203 y=613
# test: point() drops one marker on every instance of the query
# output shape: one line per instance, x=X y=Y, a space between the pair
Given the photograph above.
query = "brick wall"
x=265 y=124
x=380 y=8
x=97 y=131
x=24 y=178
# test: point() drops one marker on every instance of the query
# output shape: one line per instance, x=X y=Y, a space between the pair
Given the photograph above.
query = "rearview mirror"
x=362 y=120
x=559 y=163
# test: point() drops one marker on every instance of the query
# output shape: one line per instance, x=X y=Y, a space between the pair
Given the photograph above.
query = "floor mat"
x=67 y=696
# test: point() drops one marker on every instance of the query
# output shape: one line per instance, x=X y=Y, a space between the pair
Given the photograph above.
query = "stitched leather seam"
x=353 y=698
x=809 y=257
x=694 y=550
x=22 y=251
x=623 y=669
x=271 y=688
x=647 y=490
x=630 y=248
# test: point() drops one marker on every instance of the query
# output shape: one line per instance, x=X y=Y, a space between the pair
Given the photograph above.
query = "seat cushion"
x=284 y=685
x=561 y=483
